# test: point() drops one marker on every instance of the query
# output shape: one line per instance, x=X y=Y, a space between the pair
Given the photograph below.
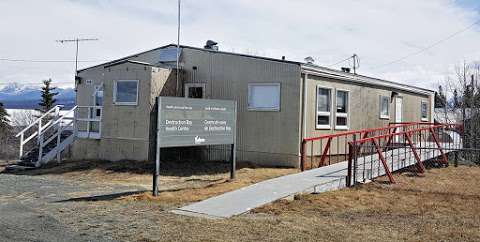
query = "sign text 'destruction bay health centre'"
x=194 y=122
x=191 y=122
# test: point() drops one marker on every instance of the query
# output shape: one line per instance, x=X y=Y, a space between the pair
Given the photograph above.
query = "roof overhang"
x=363 y=80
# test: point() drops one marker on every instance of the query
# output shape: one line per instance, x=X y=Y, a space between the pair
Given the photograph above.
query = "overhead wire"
x=430 y=46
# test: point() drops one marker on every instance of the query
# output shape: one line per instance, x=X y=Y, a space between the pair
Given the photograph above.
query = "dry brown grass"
x=180 y=182
x=442 y=205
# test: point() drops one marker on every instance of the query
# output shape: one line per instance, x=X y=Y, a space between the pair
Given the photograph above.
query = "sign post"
x=194 y=122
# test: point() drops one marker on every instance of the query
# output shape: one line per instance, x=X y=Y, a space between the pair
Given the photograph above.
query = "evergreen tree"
x=440 y=99
x=4 y=120
x=48 y=97
x=456 y=101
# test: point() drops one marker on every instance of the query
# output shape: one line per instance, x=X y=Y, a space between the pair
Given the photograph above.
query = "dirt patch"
x=180 y=181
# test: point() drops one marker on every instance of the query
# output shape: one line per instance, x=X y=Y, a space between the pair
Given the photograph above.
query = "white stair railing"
x=60 y=126
x=57 y=121
x=41 y=127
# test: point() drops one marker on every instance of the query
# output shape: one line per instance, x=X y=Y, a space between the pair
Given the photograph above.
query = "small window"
x=195 y=90
x=264 y=96
x=424 y=111
x=324 y=107
x=98 y=96
x=384 y=107
x=125 y=92
x=341 y=115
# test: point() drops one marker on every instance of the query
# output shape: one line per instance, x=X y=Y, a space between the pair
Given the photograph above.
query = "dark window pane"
x=342 y=102
x=323 y=100
x=341 y=121
x=323 y=120
x=127 y=92
x=195 y=92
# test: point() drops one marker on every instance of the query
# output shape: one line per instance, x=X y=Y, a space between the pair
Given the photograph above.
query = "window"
x=98 y=95
x=264 y=96
x=195 y=90
x=341 y=114
x=125 y=92
x=384 y=107
x=424 y=111
x=324 y=107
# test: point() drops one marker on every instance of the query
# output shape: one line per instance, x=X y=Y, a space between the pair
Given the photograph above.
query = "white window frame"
x=115 y=93
x=322 y=113
x=342 y=115
x=426 y=111
x=383 y=116
x=275 y=109
x=193 y=84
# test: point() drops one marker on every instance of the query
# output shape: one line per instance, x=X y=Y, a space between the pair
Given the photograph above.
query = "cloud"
x=378 y=31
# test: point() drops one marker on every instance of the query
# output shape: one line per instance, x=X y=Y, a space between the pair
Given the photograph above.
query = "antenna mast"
x=62 y=41
x=356 y=63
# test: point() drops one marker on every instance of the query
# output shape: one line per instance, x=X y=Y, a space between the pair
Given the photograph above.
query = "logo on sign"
x=199 y=140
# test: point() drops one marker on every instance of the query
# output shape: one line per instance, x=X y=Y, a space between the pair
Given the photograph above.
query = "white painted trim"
x=424 y=119
x=382 y=116
x=344 y=115
x=322 y=113
x=276 y=109
x=115 y=93
x=338 y=75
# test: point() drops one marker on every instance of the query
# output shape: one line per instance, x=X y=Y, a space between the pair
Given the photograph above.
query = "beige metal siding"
x=263 y=137
x=125 y=129
x=364 y=107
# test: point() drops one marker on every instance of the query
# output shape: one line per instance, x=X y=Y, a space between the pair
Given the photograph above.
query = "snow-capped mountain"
x=15 y=95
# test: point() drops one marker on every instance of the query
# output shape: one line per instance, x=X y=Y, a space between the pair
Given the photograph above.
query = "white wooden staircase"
x=47 y=137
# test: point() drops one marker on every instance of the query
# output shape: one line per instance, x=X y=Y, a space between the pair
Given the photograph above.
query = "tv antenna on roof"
x=63 y=41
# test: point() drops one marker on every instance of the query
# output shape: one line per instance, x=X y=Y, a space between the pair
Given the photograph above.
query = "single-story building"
x=279 y=102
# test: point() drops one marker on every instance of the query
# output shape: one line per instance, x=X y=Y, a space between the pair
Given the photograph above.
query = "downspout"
x=304 y=108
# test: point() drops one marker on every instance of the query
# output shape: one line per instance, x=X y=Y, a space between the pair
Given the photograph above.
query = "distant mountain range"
x=18 y=96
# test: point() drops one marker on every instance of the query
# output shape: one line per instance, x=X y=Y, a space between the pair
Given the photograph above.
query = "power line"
x=48 y=61
x=430 y=46
x=350 y=57
x=76 y=52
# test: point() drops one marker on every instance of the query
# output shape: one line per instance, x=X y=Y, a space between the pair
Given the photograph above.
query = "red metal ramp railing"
x=375 y=156
x=328 y=149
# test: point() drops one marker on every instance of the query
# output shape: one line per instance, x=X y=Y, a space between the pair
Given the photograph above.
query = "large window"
x=264 y=96
x=125 y=92
x=424 y=111
x=384 y=107
x=341 y=114
x=324 y=107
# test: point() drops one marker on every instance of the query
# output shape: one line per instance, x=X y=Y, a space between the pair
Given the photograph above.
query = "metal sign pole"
x=233 y=150
x=156 y=173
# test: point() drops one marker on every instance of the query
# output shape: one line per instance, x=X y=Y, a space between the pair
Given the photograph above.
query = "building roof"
x=306 y=68
x=356 y=78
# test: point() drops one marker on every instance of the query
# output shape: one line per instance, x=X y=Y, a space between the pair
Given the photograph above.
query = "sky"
x=389 y=36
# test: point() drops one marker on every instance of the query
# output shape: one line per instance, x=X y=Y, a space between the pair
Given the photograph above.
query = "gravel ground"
x=30 y=208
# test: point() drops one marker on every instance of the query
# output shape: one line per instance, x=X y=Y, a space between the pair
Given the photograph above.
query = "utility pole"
x=62 y=41
x=178 y=44
x=356 y=63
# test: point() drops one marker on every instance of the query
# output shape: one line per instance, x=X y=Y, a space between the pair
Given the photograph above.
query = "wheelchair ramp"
x=323 y=179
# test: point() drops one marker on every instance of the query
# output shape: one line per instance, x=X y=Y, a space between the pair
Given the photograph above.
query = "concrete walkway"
x=318 y=180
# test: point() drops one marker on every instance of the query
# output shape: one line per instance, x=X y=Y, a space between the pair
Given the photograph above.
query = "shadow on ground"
x=168 y=168
x=106 y=197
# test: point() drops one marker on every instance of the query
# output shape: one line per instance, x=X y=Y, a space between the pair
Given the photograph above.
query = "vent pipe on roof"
x=211 y=45
x=309 y=60
x=346 y=69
